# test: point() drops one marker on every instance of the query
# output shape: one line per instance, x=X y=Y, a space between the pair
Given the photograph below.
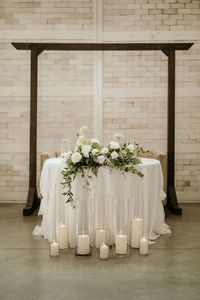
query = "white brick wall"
x=134 y=84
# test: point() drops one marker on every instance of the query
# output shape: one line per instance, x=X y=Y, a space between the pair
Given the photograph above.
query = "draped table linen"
x=142 y=197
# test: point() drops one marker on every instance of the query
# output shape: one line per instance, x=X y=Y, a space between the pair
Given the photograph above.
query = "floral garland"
x=90 y=155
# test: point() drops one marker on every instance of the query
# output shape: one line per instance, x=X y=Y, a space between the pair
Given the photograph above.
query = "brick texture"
x=134 y=83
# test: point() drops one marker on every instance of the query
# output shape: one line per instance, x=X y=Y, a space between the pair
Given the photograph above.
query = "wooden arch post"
x=32 y=198
x=172 y=203
x=168 y=48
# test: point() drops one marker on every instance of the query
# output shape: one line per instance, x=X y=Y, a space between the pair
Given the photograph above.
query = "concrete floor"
x=171 y=271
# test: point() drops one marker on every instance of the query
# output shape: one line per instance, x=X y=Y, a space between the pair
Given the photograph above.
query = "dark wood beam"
x=32 y=198
x=172 y=203
x=167 y=48
x=102 y=46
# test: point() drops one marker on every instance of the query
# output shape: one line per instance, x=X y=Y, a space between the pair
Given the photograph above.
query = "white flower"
x=114 y=155
x=101 y=159
x=124 y=152
x=94 y=151
x=66 y=155
x=86 y=150
x=118 y=137
x=76 y=157
x=81 y=141
x=131 y=147
x=114 y=145
x=94 y=141
x=104 y=150
x=83 y=130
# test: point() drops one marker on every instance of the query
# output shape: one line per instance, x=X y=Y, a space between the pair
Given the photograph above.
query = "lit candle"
x=137 y=232
x=121 y=244
x=83 y=244
x=63 y=236
x=104 y=251
x=54 y=249
x=144 y=246
x=101 y=237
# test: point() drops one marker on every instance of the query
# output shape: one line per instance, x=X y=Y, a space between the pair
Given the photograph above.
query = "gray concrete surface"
x=171 y=271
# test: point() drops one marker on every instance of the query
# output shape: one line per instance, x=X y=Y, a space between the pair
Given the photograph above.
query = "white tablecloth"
x=142 y=198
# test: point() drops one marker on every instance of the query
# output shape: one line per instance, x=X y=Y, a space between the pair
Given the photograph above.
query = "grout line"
x=97 y=70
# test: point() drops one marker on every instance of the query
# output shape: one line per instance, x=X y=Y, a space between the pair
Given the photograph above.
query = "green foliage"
x=125 y=159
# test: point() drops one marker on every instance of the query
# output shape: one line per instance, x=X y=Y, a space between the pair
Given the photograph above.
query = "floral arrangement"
x=89 y=155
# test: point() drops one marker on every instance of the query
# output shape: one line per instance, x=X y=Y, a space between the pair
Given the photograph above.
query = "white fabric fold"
x=142 y=197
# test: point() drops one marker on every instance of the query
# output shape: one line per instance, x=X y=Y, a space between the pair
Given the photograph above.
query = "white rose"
x=131 y=147
x=104 y=150
x=66 y=155
x=118 y=137
x=114 y=145
x=114 y=155
x=94 y=141
x=86 y=150
x=94 y=151
x=101 y=159
x=83 y=130
x=76 y=157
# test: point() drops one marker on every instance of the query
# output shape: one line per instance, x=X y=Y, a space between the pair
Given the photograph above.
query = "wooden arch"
x=168 y=49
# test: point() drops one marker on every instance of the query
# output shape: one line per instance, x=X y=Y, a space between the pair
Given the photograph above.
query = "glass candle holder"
x=64 y=145
x=101 y=237
x=83 y=244
x=101 y=220
x=121 y=236
x=137 y=231
x=121 y=244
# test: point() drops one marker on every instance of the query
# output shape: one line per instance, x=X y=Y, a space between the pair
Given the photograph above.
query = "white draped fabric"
x=142 y=197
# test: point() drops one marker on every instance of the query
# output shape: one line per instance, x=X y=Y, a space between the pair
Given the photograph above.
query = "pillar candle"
x=101 y=237
x=136 y=232
x=83 y=244
x=144 y=244
x=121 y=244
x=63 y=236
x=54 y=249
x=104 y=251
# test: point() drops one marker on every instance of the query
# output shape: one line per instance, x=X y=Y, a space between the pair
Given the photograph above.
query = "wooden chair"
x=162 y=157
x=46 y=155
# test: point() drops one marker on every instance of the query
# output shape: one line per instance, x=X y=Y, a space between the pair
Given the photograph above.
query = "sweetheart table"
x=141 y=197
